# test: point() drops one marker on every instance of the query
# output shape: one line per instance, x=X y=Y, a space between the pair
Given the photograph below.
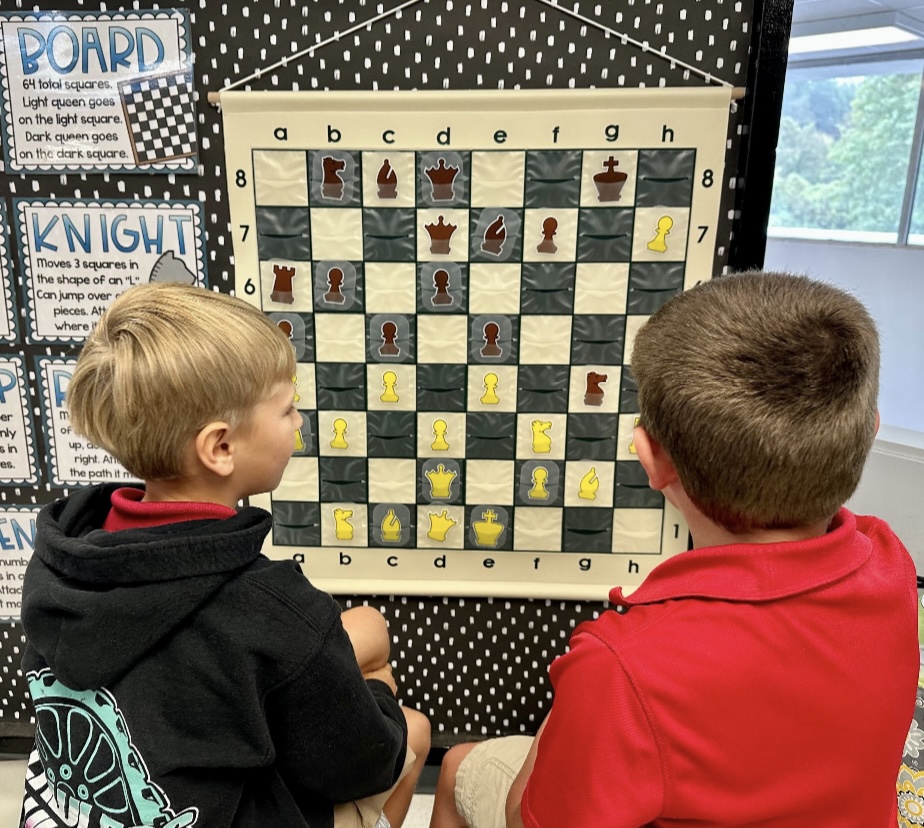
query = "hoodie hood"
x=96 y=602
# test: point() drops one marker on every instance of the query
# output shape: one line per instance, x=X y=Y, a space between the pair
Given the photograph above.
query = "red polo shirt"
x=129 y=511
x=747 y=685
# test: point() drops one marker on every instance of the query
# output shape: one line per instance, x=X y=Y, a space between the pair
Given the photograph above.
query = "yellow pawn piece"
x=589 y=485
x=391 y=528
x=542 y=442
x=632 y=442
x=490 y=390
x=389 y=380
x=440 y=482
x=440 y=427
x=486 y=530
x=659 y=243
x=299 y=440
x=343 y=527
x=340 y=428
x=539 y=491
x=439 y=525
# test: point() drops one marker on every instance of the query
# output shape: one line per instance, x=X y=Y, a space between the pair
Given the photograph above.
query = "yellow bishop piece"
x=440 y=525
x=589 y=485
x=391 y=528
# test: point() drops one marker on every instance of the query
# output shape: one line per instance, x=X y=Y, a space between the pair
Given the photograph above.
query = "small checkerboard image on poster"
x=161 y=116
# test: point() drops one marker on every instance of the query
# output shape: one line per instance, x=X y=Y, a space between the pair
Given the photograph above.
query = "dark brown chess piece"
x=593 y=395
x=332 y=186
x=609 y=184
x=285 y=326
x=441 y=283
x=335 y=280
x=441 y=181
x=389 y=334
x=440 y=234
x=494 y=237
x=282 y=284
x=549 y=229
x=387 y=181
x=491 y=335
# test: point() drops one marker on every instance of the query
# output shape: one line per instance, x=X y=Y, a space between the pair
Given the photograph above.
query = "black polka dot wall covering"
x=476 y=667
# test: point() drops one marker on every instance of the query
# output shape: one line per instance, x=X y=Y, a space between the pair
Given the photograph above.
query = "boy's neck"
x=186 y=490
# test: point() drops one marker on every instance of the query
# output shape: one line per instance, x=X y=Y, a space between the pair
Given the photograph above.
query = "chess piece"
x=440 y=482
x=589 y=485
x=632 y=449
x=490 y=390
x=494 y=237
x=609 y=184
x=332 y=185
x=387 y=181
x=441 y=180
x=441 y=283
x=335 y=281
x=486 y=530
x=659 y=243
x=440 y=427
x=491 y=334
x=542 y=442
x=439 y=525
x=539 y=491
x=299 y=441
x=389 y=380
x=340 y=428
x=594 y=393
x=549 y=229
x=286 y=327
x=391 y=528
x=389 y=334
x=440 y=234
x=170 y=268
x=282 y=284
x=343 y=528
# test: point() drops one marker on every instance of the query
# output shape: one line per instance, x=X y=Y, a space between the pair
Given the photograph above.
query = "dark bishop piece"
x=494 y=237
x=387 y=181
x=440 y=234
x=441 y=181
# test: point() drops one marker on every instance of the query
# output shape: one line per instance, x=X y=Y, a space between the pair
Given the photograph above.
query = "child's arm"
x=515 y=795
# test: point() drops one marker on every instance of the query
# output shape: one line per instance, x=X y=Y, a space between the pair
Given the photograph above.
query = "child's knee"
x=418 y=732
x=368 y=633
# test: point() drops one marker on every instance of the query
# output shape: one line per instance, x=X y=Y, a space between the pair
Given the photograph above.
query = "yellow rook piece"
x=440 y=427
x=391 y=528
x=659 y=243
x=542 y=442
x=487 y=531
x=343 y=527
x=340 y=428
x=440 y=482
x=539 y=491
x=490 y=390
x=439 y=525
x=389 y=380
x=589 y=485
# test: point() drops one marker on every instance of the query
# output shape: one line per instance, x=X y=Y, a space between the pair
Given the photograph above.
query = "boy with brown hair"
x=179 y=677
x=767 y=676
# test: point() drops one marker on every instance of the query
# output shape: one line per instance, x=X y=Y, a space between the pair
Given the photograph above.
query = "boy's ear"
x=214 y=448
x=658 y=466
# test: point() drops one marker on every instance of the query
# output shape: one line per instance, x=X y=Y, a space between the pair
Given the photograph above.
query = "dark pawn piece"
x=389 y=334
x=285 y=326
x=335 y=280
x=491 y=334
x=549 y=229
x=441 y=283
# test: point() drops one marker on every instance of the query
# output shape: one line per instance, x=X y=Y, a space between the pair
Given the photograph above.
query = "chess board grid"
x=145 y=105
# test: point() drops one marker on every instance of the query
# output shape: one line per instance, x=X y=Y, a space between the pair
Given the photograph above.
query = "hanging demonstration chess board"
x=462 y=276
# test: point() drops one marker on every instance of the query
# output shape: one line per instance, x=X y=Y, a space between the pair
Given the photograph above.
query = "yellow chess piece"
x=440 y=482
x=340 y=428
x=542 y=442
x=389 y=380
x=539 y=491
x=299 y=440
x=659 y=243
x=487 y=531
x=439 y=525
x=589 y=485
x=343 y=527
x=296 y=397
x=632 y=441
x=440 y=427
x=490 y=390
x=391 y=528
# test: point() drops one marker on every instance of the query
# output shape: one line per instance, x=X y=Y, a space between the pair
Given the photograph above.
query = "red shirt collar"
x=129 y=512
x=756 y=572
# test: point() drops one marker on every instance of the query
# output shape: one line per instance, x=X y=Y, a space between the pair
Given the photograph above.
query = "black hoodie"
x=182 y=679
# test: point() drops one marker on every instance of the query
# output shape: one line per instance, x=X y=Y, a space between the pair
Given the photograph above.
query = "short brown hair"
x=762 y=388
x=164 y=361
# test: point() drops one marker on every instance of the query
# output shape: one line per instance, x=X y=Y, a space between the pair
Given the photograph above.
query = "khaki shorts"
x=484 y=779
x=364 y=813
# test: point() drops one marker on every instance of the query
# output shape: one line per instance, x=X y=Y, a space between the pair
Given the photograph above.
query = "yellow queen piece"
x=440 y=482
x=440 y=525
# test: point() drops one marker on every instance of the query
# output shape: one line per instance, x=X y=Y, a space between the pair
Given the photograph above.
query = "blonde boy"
x=193 y=681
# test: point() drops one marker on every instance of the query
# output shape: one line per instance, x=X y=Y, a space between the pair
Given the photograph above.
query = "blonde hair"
x=762 y=388
x=164 y=361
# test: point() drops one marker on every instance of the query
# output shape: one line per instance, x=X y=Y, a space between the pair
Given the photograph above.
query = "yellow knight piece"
x=589 y=485
x=440 y=482
x=487 y=531
x=344 y=529
x=440 y=525
x=542 y=442
x=391 y=528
